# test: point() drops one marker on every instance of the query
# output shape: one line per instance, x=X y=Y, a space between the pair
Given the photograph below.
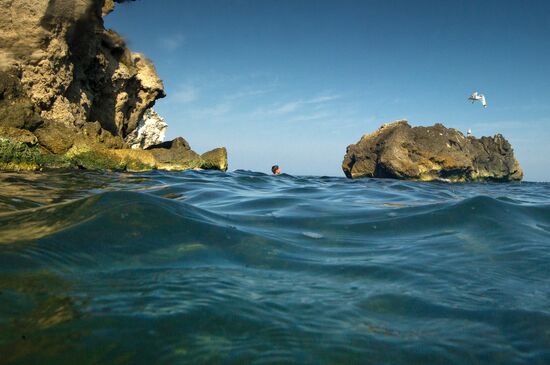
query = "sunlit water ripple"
x=246 y=268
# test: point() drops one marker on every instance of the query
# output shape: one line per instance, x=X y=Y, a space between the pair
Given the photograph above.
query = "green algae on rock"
x=19 y=156
x=215 y=159
x=20 y=151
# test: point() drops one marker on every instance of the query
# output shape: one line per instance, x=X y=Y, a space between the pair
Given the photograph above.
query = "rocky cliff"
x=71 y=83
x=150 y=131
x=397 y=150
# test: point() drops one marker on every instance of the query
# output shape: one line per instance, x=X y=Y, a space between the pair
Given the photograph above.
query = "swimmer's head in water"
x=275 y=170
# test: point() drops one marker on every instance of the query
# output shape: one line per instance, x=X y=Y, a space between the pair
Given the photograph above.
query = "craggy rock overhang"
x=69 y=81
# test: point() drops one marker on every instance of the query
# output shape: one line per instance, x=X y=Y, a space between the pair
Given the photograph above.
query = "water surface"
x=245 y=268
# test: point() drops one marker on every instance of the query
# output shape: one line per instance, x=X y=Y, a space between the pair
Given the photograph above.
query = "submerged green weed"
x=19 y=153
x=21 y=156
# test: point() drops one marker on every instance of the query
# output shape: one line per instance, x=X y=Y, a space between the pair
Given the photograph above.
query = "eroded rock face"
x=75 y=88
x=16 y=109
x=397 y=150
x=150 y=131
x=72 y=68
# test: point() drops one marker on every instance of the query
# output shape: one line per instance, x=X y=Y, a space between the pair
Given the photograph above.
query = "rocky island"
x=73 y=95
x=397 y=150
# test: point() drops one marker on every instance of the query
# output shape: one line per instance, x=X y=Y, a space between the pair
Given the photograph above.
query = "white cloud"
x=173 y=42
x=306 y=117
x=185 y=94
x=247 y=93
x=302 y=106
x=288 y=107
x=322 y=99
x=212 y=112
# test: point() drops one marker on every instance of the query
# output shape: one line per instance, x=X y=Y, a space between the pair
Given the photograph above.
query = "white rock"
x=151 y=130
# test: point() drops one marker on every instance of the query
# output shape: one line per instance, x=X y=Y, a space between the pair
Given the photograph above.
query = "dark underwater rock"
x=397 y=150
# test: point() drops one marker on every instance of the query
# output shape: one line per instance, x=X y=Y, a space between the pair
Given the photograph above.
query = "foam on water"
x=207 y=267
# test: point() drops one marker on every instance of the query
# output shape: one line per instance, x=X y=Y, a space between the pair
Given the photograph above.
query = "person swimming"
x=275 y=169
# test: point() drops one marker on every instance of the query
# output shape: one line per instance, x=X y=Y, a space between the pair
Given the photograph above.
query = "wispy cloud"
x=212 y=112
x=172 y=42
x=249 y=93
x=285 y=108
x=294 y=106
x=322 y=99
x=185 y=94
x=306 y=117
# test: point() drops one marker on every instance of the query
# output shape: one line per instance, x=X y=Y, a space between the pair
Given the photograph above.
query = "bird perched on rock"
x=478 y=97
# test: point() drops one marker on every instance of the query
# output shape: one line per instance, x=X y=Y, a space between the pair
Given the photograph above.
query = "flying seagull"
x=478 y=97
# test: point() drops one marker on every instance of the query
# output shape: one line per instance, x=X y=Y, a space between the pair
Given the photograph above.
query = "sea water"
x=247 y=268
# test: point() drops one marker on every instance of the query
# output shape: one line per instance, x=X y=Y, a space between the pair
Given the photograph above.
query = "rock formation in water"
x=397 y=150
x=73 y=85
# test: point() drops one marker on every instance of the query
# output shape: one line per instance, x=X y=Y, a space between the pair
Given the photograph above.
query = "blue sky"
x=294 y=82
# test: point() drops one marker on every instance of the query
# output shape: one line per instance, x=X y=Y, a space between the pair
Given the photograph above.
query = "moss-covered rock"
x=215 y=159
x=16 y=135
x=20 y=156
x=175 y=151
x=95 y=160
x=95 y=132
x=56 y=137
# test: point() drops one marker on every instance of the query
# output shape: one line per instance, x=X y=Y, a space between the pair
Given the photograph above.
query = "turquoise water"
x=245 y=268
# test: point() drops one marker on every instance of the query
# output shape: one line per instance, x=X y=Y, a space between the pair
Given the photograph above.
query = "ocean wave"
x=206 y=267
